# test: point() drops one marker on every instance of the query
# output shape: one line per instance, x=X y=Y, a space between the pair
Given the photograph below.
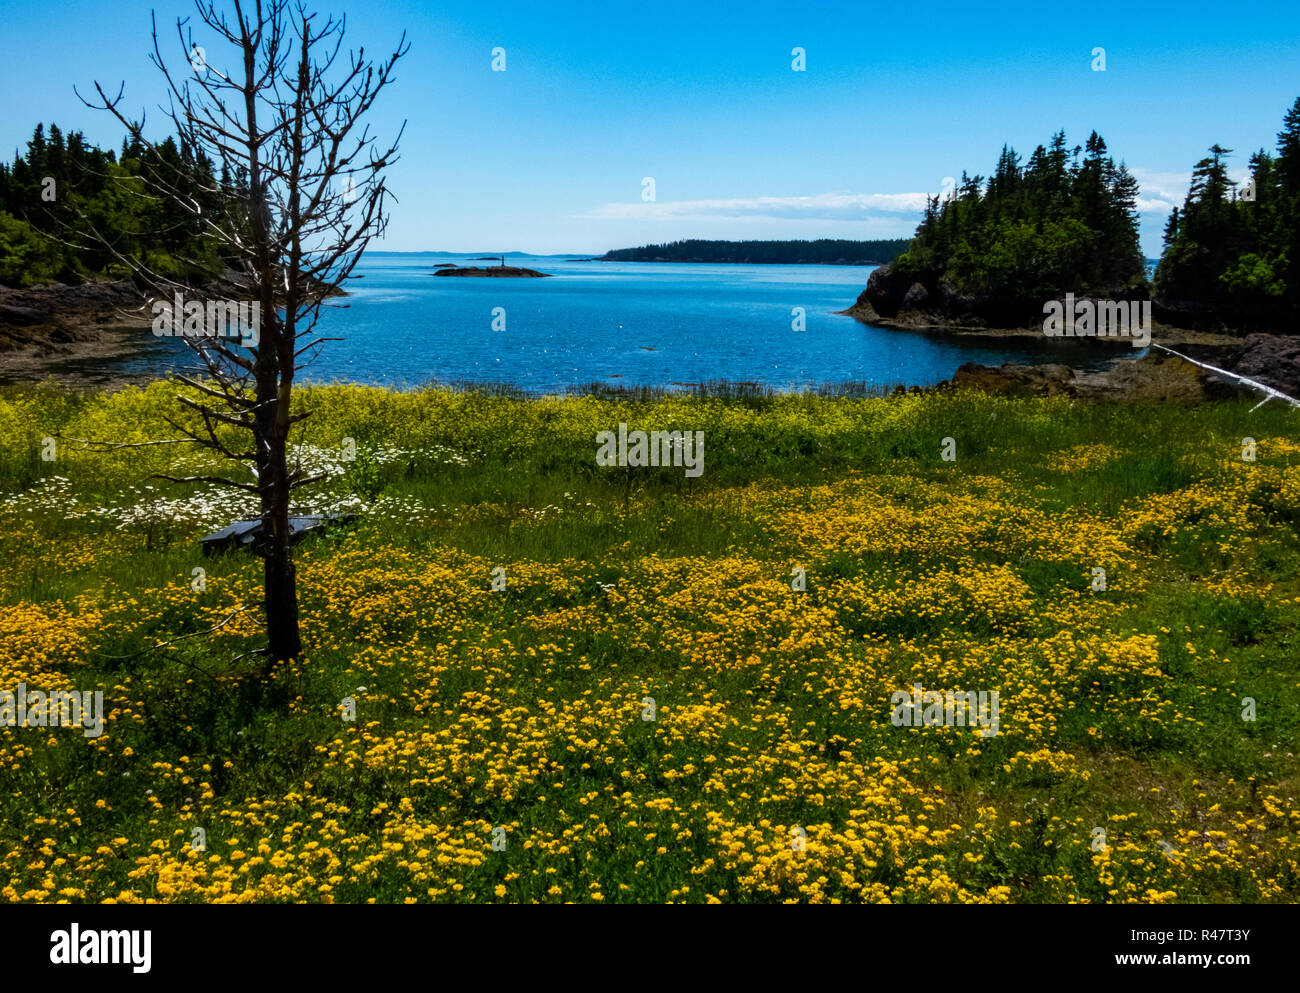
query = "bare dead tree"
x=287 y=119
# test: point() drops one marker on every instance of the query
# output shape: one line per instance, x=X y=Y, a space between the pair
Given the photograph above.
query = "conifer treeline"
x=1061 y=222
x=1064 y=221
x=826 y=251
x=103 y=191
x=1238 y=246
x=1067 y=222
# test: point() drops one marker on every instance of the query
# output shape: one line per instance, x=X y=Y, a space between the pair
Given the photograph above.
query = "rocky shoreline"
x=928 y=323
x=53 y=331
x=1273 y=360
x=902 y=303
x=71 y=333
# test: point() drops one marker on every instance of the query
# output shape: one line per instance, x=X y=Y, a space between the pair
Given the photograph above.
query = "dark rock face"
x=916 y=297
x=919 y=295
x=23 y=317
x=927 y=298
x=1272 y=359
x=885 y=291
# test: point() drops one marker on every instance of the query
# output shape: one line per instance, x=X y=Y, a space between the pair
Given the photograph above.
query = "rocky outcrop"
x=50 y=315
x=1272 y=359
x=1012 y=379
x=927 y=300
x=70 y=330
x=1154 y=378
x=916 y=297
x=886 y=290
x=493 y=270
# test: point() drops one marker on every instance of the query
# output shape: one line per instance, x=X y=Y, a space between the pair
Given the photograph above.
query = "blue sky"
x=550 y=155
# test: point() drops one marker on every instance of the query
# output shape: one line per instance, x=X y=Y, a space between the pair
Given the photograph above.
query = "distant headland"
x=823 y=251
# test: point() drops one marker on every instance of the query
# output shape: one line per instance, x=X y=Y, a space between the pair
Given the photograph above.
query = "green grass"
x=621 y=584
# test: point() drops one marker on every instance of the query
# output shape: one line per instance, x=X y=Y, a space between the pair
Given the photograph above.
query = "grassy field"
x=771 y=770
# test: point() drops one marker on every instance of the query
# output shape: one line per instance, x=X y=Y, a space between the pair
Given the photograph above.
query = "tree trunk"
x=271 y=430
x=283 y=641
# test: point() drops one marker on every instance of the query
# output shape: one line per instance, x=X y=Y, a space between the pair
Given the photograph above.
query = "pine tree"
x=1224 y=248
x=1065 y=222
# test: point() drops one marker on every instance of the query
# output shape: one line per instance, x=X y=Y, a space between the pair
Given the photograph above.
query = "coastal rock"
x=48 y=316
x=1272 y=359
x=22 y=317
x=962 y=306
x=1012 y=379
x=925 y=298
x=916 y=297
x=929 y=300
x=1158 y=378
x=885 y=291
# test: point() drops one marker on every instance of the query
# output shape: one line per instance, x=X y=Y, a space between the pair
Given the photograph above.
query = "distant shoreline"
x=850 y=265
x=771 y=251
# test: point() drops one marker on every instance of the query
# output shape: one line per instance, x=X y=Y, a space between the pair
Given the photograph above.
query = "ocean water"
x=633 y=324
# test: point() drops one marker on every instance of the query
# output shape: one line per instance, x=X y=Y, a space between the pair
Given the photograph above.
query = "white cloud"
x=1162 y=191
x=826 y=206
x=1157 y=205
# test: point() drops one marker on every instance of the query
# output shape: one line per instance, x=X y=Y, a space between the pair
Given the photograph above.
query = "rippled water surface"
x=636 y=324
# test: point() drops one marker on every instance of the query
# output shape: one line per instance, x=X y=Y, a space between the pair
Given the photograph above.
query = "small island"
x=494 y=270
x=446 y=269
